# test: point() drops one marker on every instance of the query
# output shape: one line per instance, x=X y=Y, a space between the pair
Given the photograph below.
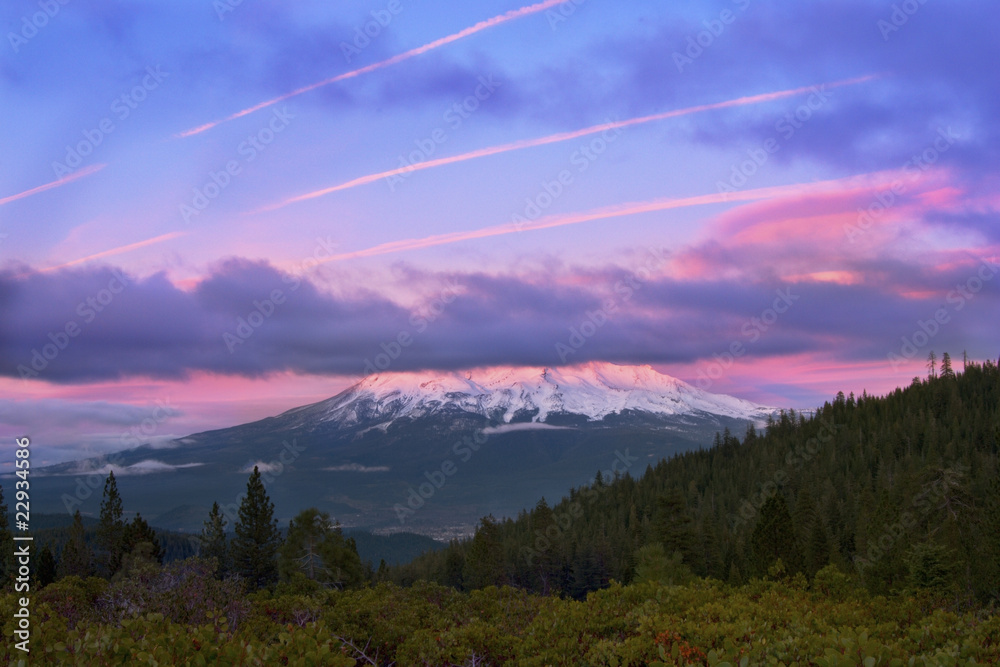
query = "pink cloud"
x=823 y=231
x=818 y=375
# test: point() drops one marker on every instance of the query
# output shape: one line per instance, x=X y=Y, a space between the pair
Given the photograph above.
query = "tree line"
x=313 y=553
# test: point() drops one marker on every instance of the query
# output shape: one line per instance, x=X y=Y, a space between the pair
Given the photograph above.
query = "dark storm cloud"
x=230 y=324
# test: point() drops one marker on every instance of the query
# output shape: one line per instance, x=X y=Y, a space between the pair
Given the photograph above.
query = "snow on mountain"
x=594 y=390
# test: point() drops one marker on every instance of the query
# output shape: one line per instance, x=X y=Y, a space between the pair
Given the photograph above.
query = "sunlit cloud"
x=855 y=205
x=848 y=235
x=838 y=277
x=567 y=136
x=412 y=53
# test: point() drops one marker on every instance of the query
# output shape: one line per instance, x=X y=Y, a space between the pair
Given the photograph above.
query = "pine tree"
x=545 y=551
x=837 y=533
x=454 y=564
x=711 y=551
x=214 y=543
x=774 y=537
x=817 y=549
x=734 y=578
x=382 y=574
x=111 y=530
x=76 y=559
x=930 y=565
x=46 y=566
x=255 y=547
x=880 y=568
x=673 y=526
x=138 y=532
x=585 y=572
x=946 y=371
x=931 y=365
x=806 y=513
x=301 y=551
x=315 y=548
x=634 y=526
x=484 y=562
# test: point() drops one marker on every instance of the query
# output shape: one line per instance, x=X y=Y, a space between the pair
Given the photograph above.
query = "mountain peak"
x=501 y=393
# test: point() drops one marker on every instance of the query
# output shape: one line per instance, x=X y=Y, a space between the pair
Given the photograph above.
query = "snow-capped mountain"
x=525 y=394
x=508 y=436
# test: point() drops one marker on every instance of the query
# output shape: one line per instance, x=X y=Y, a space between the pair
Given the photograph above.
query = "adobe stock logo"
x=364 y=34
x=62 y=338
x=249 y=149
x=436 y=479
x=704 y=39
x=900 y=16
x=753 y=329
x=925 y=330
x=38 y=20
x=454 y=116
x=597 y=318
x=122 y=107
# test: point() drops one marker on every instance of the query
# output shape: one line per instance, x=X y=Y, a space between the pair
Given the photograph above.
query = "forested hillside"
x=898 y=491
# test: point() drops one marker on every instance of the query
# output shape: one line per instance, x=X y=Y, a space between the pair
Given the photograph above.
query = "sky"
x=211 y=212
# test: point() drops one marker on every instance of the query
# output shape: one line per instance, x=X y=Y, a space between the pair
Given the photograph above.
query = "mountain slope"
x=426 y=452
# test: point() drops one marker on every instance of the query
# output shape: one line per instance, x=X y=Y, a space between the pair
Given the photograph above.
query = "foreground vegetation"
x=181 y=614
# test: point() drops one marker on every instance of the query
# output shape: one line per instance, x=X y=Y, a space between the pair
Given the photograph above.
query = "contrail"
x=566 y=136
x=94 y=168
x=482 y=25
x=615 y=211
x=117 y=251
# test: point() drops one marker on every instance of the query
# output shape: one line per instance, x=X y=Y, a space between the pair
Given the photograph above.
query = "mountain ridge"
x=526 y=394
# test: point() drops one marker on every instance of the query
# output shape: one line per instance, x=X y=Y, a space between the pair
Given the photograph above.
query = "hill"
x=899 y=490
